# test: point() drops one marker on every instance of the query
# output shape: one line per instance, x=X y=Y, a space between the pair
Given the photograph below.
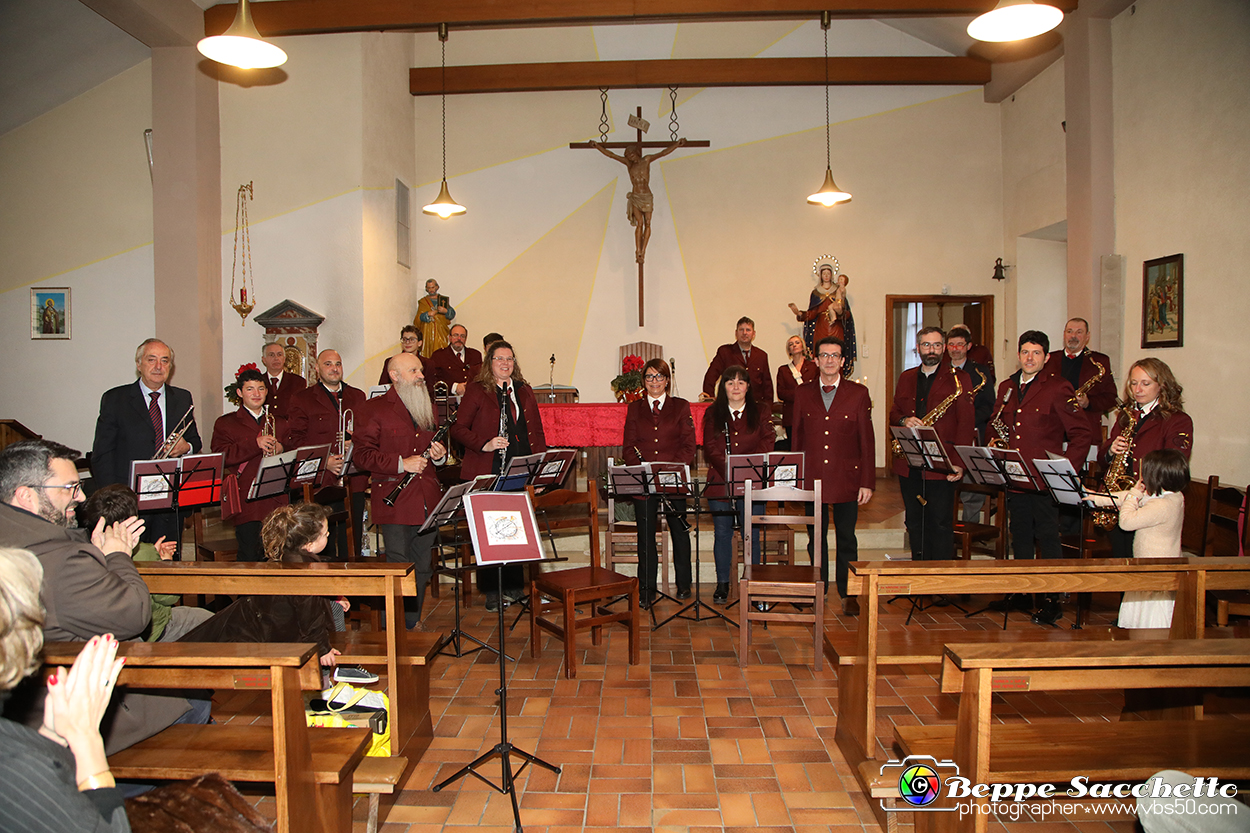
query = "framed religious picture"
x=49 y=312
x=1162 y=302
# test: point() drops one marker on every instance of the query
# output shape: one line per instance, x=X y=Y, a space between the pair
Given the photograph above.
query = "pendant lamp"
x=444 y=206
x=241 y=45
x=1015 y=20
x=829 y=194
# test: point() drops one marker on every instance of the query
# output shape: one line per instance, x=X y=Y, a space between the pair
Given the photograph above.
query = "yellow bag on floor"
x=348 y=705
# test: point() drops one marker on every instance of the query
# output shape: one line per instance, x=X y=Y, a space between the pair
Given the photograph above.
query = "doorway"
x=908 y=314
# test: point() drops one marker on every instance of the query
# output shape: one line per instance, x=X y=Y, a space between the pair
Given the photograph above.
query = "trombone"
x=171 y=441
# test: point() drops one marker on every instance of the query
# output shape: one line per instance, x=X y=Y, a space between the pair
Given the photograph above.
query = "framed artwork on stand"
x=1162 y=302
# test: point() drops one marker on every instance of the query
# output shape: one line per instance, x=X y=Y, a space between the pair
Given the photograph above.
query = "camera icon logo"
x=920 y=780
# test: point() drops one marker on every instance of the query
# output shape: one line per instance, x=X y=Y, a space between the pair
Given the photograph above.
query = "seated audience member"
x=294 y=534
x=90 y=586
x=170 y=620
x=55 y=778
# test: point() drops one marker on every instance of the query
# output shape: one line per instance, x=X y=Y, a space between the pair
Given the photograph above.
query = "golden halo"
x=825 y=260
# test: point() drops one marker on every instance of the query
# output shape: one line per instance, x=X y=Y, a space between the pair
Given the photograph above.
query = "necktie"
x=154 y=413
x=273 y=383
x=655 y=408
x=828 y=388
x=507 y=395
x=736 y=414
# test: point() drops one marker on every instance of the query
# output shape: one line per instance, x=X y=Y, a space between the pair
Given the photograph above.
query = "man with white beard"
x=395 y=440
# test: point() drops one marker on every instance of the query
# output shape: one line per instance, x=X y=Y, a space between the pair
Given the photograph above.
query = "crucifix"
x=639 y=201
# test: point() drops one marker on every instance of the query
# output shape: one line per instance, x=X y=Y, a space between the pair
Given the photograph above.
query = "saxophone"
x=934 y=415
x=1089 y=383
x=1119 y=477
x=1003 y=440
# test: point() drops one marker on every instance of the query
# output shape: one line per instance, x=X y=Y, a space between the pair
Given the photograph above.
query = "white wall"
x=1041 y=275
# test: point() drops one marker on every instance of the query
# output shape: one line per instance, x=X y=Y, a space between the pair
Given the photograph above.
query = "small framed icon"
x=50 y=312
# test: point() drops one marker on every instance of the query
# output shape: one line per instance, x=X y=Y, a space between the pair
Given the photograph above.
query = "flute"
x=439 y=436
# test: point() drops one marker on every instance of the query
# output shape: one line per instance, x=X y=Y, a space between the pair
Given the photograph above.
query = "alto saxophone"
x=934 y=415
x=1119 y=477
x=1089 y=383
x=1003 y=440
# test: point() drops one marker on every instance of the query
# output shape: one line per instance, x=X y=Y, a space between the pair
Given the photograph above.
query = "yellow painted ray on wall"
x=539 y=301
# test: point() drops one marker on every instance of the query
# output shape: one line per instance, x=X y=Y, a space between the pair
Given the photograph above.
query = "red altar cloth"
x=587 y=424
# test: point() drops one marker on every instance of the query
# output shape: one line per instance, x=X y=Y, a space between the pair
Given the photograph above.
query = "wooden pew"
x=1053 y=752
x=406 y=656
x=311 y=770
x=858 y=657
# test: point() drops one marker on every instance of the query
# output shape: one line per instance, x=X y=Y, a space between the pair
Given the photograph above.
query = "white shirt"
x=661 y=399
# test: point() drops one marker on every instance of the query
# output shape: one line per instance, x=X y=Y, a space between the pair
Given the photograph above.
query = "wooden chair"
x=775 y=583
x=1225 y=533
x=622 y=538
x=992 y=526
x=332 y=494
x=212 y=543
x=556 y=595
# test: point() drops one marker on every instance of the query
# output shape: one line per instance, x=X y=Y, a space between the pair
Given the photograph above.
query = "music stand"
x=275 y=475
x=310 y=464
x=172 y=483
x=1064 y=483
x=519 y=472
x=444 y=513
x=504 y=530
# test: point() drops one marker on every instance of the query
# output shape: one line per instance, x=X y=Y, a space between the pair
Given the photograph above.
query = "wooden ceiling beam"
x=700 y=72
x=306 y=17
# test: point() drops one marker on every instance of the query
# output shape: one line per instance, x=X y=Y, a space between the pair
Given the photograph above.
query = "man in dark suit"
x=313 y=418
x=134 y=422
x=454 y=365
x=1081 y=367
x=929 y=497
x=742 y=353
x=833 y=427
x=281 y=385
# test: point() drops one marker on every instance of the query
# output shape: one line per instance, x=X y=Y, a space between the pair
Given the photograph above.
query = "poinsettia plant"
x=231 y=390
x=631 y=375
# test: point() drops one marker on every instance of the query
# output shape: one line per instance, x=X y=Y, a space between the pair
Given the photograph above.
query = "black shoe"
x=1050 y=613
x=646 y=598
x=722 y=593
x=1014 y=601
x=514 y=595
x=492 y=602
x=683 y=594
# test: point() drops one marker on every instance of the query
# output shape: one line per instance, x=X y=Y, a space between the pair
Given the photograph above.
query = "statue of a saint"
x=639 y=202
x=434 y=316
x=828 y=313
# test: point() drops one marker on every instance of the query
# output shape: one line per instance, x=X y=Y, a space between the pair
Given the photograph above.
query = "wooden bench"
x=405 y=655
x=1053 y=752
x=311 y=770
x=859 y=656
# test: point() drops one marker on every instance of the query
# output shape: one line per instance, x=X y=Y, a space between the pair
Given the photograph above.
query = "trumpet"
x=440 y=436
x=347 y=425
x=167 y=448
x=267 y=427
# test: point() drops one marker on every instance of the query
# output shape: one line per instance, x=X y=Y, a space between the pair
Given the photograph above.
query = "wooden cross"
x=640 y=175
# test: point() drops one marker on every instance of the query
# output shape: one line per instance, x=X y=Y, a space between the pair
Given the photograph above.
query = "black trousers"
x=647 y=514
x=248 y=536
x=930 y=527
x=403 y=544
x=844 y=515
x=1034 y=518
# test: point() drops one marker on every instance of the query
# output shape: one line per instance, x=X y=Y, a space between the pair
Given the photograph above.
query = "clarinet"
x=728 y=488
x=439 y=436
x=678 y=521
x=503 y=432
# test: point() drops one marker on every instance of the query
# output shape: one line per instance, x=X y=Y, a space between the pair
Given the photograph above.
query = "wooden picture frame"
x=50 y=315
x=1162 y=302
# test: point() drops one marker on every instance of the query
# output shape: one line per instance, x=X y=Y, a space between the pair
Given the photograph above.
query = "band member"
x=1037 y=412
x=498 y=420
x=454 y=366
x=314 y=417
x=659 y=429
x=958 y=343
x=733 y=425
x=833 y=427
x=740 y=352
x=246 y=437
x=1151 y=417
x=135 y=421
x=395 y=439
x=409 y=342
x=796 y=371
x=282 y=385
x=1080 y=366
x=929 y=497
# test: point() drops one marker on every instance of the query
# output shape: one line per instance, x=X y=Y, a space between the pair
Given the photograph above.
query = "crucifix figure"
x=640 y=201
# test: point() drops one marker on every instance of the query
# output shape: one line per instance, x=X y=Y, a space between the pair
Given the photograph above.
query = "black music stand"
x=1061 y=477
x=697 y=605
x=446 y=512
x=175 y=483
x=551 y=470
x=632 y=482
x=782 y=468
x=504 y=530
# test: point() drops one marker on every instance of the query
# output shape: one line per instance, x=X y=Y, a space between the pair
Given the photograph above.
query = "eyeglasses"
x=931 y=345
x=835 y=356
x=503 y=359
x=409 y=340
x=654 y=377
x=73 y=488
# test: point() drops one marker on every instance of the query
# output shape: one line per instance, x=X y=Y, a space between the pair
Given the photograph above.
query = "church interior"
x=122 y=152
